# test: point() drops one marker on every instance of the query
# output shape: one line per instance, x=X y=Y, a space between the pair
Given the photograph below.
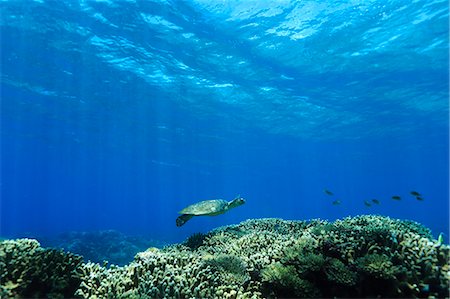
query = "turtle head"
x=236 y=202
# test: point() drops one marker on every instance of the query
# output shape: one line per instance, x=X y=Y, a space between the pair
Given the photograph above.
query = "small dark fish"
x=419 y=198
x=396 y=197
x=414 y=193
x=376 y=201
x=336 y=202
x=367 y=203
x=327 y=192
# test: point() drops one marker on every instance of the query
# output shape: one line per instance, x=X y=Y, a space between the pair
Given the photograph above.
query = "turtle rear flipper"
x=183 y=219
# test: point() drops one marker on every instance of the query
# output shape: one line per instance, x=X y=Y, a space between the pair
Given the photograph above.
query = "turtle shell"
x=207 y=207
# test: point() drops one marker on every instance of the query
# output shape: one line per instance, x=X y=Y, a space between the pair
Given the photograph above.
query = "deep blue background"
x=118 y=134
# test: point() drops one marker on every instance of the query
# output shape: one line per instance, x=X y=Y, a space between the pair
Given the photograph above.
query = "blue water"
x=118 y=114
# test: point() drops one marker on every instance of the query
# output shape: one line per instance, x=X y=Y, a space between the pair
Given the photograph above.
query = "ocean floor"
x=364 y=256
x=100 y=246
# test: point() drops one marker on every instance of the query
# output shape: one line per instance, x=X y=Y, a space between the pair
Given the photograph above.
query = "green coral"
x=337 y=272
x=308 y=263
x=286 y=282
x=230 y=266
x=27 y=270
x=377 y=265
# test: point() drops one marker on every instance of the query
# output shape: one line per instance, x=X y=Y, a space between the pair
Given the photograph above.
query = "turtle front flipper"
x=183 y=219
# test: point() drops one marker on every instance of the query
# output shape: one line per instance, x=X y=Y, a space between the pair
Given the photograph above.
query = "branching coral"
x=377 y=266
x=286 y=282
x=364 y=256
x=27 y=270
x=337 y=272
x=231 y=267
x=173 y=272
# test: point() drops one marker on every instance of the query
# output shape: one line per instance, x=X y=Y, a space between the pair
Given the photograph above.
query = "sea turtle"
x=211 y=207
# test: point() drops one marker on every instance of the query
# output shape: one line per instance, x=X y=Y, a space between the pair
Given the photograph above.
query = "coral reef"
x=195 y=241
x=98 y=246
x=27 y=270
x=173 y=272
x=365 y=256
x=286 y=282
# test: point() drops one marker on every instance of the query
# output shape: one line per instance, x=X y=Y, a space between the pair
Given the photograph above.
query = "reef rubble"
x=355 y=257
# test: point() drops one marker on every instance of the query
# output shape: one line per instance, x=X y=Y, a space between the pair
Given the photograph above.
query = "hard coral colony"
x=365 y=256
